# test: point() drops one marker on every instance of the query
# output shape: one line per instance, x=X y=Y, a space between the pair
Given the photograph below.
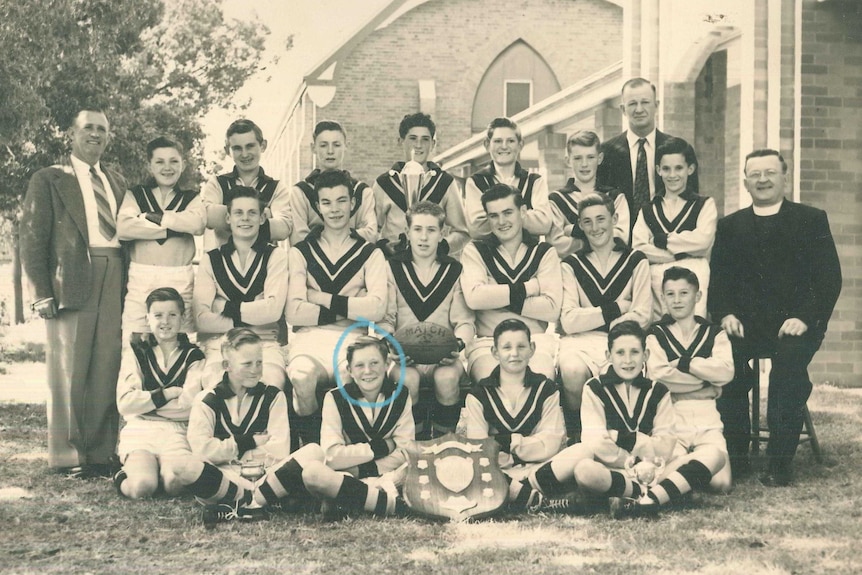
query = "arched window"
x=516 y=79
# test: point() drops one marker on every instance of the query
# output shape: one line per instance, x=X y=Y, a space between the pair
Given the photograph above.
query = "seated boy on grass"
x=242 y=425
x=520 y=409
x=693 y=359
x=367 y=426
x=153 y=445
x=624 y=415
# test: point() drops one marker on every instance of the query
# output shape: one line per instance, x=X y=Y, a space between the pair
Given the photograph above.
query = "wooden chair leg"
x=755 y=409
x=812 y=436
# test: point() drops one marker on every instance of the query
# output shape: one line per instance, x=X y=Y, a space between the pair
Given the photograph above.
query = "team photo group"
x=587 y=347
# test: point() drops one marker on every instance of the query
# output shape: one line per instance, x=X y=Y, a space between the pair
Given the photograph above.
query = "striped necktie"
x=107 y=223
x=641 y=191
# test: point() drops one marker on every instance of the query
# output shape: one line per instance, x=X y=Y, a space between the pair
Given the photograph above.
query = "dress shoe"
x=98 y=471
x=74 y=472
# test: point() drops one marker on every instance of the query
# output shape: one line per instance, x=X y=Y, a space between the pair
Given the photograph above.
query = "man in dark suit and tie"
x=775 y=280
x=73 y=259
x=629 y=158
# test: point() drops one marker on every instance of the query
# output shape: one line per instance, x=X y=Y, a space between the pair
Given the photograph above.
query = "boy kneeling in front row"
x=242 y=424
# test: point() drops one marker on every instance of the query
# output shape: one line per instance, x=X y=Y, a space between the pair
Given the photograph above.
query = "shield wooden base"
x=455 y=478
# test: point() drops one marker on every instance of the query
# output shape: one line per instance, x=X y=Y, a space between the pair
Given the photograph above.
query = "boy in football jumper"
x=244 y=142
x=583 y=156
x=328 y=146
x=424 y=286
x=504 y=143
x=604 y=283
x=243 y=421
x=367 y=424
x=520 y=409
x=242 y=284
x=510 y=275
x=417 y=135
x=160 y=220
x=693 y=359
x=336 y=277
x=678 y=226
x=153 y=445
x=625 y=415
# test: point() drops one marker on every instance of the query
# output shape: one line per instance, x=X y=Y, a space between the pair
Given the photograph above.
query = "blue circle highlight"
x=360 y=323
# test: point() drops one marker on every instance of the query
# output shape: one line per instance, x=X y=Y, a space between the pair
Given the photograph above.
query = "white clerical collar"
x=633 y=138
x=767 y=210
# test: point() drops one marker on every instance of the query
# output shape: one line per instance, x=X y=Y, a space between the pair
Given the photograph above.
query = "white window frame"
x=506 y=83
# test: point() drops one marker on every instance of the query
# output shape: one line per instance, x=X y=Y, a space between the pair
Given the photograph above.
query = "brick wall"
x=453 y=42
x=831 y=166
x=709 y=118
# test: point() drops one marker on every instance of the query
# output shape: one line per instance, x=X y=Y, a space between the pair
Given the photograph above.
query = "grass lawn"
x=56 y=525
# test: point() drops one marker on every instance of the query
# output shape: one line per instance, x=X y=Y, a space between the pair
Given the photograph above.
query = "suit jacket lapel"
x=117 y=186
x=70 y=194
x=627 y=159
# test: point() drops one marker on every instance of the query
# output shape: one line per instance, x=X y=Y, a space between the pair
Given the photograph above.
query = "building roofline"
x=601 y=86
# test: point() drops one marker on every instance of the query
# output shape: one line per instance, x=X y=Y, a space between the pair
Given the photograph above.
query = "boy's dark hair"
x=585 y=138
x=762 y=153
x=501 y=191
x=680 y=273
x=629 y=327
x=427 y=208
x=244 y=192
x=502 y=123
x=162 y=142
x=238 y=337
x=511 y=324
x=676 y=146
x=328 y=126
x=417 y=120
x=596 y=199
x=367 y=341
x=331 y=179
x=637 y=82
x=243 y=126
x=166 y=294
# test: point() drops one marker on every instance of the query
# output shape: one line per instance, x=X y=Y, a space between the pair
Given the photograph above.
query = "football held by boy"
x=425 y=287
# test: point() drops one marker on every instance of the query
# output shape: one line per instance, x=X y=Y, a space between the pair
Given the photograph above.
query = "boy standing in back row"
x=329 y=146
x=245 y=144
x=392 y=195
x=504 y=143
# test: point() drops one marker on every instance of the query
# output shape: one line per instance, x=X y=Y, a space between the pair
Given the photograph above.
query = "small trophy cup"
x=645 y=472
x=412 y=176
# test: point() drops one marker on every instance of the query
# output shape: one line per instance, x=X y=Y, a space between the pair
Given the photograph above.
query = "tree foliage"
x=155 y=66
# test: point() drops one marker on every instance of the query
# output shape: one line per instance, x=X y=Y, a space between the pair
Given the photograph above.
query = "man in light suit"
x=621 y=166
x=774 y=282
x=72 y=257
